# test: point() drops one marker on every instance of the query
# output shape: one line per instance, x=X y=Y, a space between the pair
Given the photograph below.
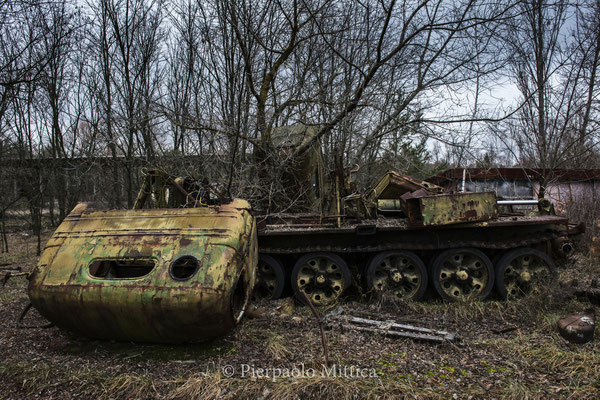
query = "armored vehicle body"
x=403 y=235
x=184 y=272
x=148 y=275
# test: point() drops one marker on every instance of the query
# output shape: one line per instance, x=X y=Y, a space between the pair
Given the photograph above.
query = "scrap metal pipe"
x=517 y=202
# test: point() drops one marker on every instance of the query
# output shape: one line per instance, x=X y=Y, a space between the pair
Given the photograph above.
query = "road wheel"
x=523 y=271
x=270 y=279
x=322 y=276
x=400 y=273
x=462 y=274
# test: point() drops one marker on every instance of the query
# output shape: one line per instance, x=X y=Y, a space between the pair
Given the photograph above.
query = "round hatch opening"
x=184 y=267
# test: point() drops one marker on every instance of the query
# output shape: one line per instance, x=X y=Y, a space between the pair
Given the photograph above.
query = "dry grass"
x=277 y=348
x=324 y=388
x=202 y=386
x=531 y=362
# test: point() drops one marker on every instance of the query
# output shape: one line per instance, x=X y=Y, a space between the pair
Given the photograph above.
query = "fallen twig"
x=505 y=329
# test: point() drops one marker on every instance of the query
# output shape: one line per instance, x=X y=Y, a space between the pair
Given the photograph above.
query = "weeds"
x=532 y=361
x=276 y=348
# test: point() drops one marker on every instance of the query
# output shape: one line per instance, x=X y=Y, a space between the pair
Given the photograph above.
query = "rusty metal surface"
x=392 y=185
x=386 y=195
x=390 y=205
x=401 y=224
x=153 y=307
x=451 y=208
x=396 y=234
x=577 y=328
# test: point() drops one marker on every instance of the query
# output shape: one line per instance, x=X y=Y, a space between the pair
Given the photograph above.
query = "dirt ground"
x=278 y=353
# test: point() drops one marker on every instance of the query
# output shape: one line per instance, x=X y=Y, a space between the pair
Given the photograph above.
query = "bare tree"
x=56 y=81
x=556 y=73
x=365 y=74
x=376 y=82
x=129 y=38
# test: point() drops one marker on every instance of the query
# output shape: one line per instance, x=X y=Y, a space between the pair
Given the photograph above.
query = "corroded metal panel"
x=392 y=185
x=451 y=208
x=578 y=328
x=160 y=275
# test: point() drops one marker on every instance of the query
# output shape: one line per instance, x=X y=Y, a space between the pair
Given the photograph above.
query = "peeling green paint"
x=452 y=208
x=153 y=307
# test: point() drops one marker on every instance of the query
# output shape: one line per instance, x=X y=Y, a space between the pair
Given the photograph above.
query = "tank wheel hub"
x=524 y=271
x=462 y=275
x=267 y=277
x=525 y=276
x=321 y=279
x=270 y=278
x=397 y=276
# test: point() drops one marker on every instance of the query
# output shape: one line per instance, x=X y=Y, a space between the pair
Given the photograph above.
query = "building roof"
x=515 y=173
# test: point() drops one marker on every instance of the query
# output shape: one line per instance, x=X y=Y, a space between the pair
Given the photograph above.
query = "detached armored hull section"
x=156 y=275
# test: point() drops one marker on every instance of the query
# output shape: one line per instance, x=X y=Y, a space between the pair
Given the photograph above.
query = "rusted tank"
x=148 y=275
x=403 y=235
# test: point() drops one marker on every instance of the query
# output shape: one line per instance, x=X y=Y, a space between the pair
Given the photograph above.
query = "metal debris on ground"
x=578 y=328
x=388 y=327
x=319 y=322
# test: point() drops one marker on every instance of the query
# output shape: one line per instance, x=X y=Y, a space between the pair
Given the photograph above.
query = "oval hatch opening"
x=184 y=267
x=121 y=268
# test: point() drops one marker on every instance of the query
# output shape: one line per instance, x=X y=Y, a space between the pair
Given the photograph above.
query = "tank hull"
x=292 y=236
x=461 y=261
